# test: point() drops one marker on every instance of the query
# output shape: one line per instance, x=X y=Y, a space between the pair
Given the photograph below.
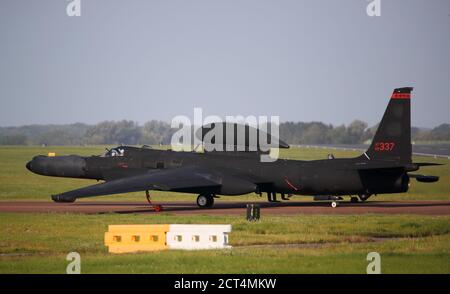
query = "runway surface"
x=232 y=208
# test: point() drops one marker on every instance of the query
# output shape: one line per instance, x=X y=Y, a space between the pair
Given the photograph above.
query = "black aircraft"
x=384 y=168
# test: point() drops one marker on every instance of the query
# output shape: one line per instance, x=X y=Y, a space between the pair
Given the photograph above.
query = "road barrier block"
x=133 y=238
x=194 y=237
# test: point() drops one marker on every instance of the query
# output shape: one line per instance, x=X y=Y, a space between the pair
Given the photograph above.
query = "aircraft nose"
x=60 y=166
x=35 y=165
x=29 y=165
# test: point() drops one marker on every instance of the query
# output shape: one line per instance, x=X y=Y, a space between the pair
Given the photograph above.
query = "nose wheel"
x=205 y=200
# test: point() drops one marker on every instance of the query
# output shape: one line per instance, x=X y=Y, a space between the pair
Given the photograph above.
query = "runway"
x=231 y=208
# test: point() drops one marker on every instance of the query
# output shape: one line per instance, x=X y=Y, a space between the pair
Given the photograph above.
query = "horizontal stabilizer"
x=427 y=163
x=372 y=165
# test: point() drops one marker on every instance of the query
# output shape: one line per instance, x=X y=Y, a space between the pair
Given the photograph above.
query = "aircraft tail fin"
x=392 y=141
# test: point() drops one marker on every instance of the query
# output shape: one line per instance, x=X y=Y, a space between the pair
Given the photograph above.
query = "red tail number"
x=384 y=146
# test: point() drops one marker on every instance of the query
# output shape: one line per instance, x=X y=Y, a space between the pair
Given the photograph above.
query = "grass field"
x=17 y=183
x=39 y=243
x=36 y=243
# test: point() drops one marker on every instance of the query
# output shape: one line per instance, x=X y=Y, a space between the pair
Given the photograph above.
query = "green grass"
x=243 y=261
x=36 y=243
x=17 y=183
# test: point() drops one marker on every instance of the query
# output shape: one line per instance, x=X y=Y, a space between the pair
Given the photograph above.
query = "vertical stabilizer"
x=392 y=140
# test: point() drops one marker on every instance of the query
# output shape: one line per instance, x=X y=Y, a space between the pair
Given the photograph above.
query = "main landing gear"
x=272 y=197
x=360 y=198
x=364 y=197
x=335 y=201
x=353 y=199
x=205 y=200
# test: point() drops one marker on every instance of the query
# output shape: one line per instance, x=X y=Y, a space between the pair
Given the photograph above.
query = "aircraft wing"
x=166 y=180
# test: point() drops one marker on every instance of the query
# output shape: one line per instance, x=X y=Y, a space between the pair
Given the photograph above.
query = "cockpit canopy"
x=118 y=151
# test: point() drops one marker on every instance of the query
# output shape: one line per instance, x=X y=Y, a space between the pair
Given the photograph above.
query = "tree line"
x=158 y=132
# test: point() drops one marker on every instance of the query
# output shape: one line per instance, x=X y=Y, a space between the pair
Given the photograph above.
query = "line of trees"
x=159 y=132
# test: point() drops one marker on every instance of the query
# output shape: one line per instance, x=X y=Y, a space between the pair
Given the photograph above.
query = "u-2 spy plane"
x=386 y=167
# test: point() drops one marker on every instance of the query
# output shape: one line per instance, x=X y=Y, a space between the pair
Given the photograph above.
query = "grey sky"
x=141 y=60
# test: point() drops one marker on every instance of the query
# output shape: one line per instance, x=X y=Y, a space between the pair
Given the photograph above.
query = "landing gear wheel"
x=205 y=200
x=354 y=199
x=334 y=204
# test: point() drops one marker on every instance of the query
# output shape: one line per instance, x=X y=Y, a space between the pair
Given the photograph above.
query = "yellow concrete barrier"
x=133 y=238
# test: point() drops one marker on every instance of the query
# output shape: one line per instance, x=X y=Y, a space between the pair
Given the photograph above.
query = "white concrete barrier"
x=194 y=237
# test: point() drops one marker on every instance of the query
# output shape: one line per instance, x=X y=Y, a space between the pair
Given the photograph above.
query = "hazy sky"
x=141 y=60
